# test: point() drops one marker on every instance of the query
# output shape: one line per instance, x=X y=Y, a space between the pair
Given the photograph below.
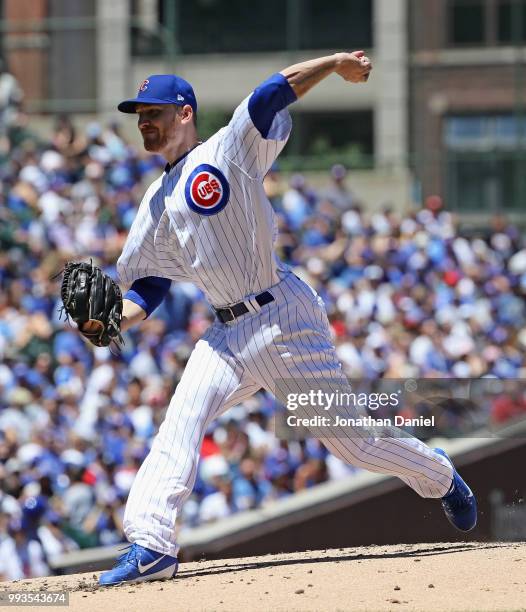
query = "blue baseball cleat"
x=459 y=504
x=138 y=564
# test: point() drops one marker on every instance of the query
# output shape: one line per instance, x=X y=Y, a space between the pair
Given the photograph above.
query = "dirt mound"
x=470 y=576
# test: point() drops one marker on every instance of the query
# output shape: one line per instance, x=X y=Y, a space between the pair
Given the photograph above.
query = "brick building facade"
x=468 y=94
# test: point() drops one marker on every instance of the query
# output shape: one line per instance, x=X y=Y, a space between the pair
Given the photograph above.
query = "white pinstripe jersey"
x=226 y=249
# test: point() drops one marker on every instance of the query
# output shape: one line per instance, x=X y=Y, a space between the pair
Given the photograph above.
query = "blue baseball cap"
x=162 y=89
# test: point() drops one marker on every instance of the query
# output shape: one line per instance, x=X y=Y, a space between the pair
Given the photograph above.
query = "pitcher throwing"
x=207 y=220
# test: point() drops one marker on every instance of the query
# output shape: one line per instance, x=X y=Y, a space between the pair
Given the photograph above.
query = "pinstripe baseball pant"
x=289 y=338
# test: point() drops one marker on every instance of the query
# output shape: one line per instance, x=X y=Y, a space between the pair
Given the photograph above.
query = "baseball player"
x=207 y=220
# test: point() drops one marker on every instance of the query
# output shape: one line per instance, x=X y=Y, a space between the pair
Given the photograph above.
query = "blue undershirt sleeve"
x=148 y=292
x=272 y=96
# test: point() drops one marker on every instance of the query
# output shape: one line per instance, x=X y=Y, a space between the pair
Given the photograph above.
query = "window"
x=321 y=132
x=229 y=26
x=145 y=43
x=511 y=21
x=485 y=182
x=334 y=24
x=485 y=132
x=467 y=22
x=465 y=131
x=238 y=26
x=485 y=162
x=321 y=139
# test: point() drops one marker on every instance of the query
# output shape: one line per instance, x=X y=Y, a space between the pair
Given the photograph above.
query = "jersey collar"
x=169 y=166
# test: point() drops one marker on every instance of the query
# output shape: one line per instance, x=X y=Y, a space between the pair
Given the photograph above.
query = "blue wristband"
x=148 y=292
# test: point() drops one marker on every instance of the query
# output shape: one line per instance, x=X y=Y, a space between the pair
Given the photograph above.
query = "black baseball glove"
x=88 y=294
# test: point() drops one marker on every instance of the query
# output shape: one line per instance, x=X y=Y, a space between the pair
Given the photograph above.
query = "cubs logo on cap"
x=161 y=89
x=206 y=190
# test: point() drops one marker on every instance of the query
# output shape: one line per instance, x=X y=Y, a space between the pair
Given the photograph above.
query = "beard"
x=153 y=141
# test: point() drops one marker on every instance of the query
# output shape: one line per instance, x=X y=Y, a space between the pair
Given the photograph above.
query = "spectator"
x=21 y=557
x=11 y=97
x=338 y=193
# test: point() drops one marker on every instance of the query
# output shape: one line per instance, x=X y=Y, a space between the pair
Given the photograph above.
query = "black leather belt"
x=233 y=312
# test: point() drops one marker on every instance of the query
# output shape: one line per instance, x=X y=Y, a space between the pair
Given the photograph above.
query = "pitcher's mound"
x=459 y=576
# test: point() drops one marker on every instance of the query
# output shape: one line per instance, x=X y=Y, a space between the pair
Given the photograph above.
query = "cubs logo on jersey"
x=206 y=190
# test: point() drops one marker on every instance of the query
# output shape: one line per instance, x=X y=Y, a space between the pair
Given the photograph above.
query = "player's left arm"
x=285 y=87
x=142 y=298
x=261 y=124
x=352 y=67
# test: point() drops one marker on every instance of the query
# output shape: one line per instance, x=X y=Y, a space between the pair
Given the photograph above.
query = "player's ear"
x=186 y=112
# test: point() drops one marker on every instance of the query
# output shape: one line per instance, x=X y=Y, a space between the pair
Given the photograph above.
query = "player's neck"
x=176 y=152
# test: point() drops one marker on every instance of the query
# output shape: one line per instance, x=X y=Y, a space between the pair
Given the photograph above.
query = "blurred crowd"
x=408 y=296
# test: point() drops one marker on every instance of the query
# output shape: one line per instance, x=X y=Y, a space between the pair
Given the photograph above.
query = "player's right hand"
x=353 y=67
